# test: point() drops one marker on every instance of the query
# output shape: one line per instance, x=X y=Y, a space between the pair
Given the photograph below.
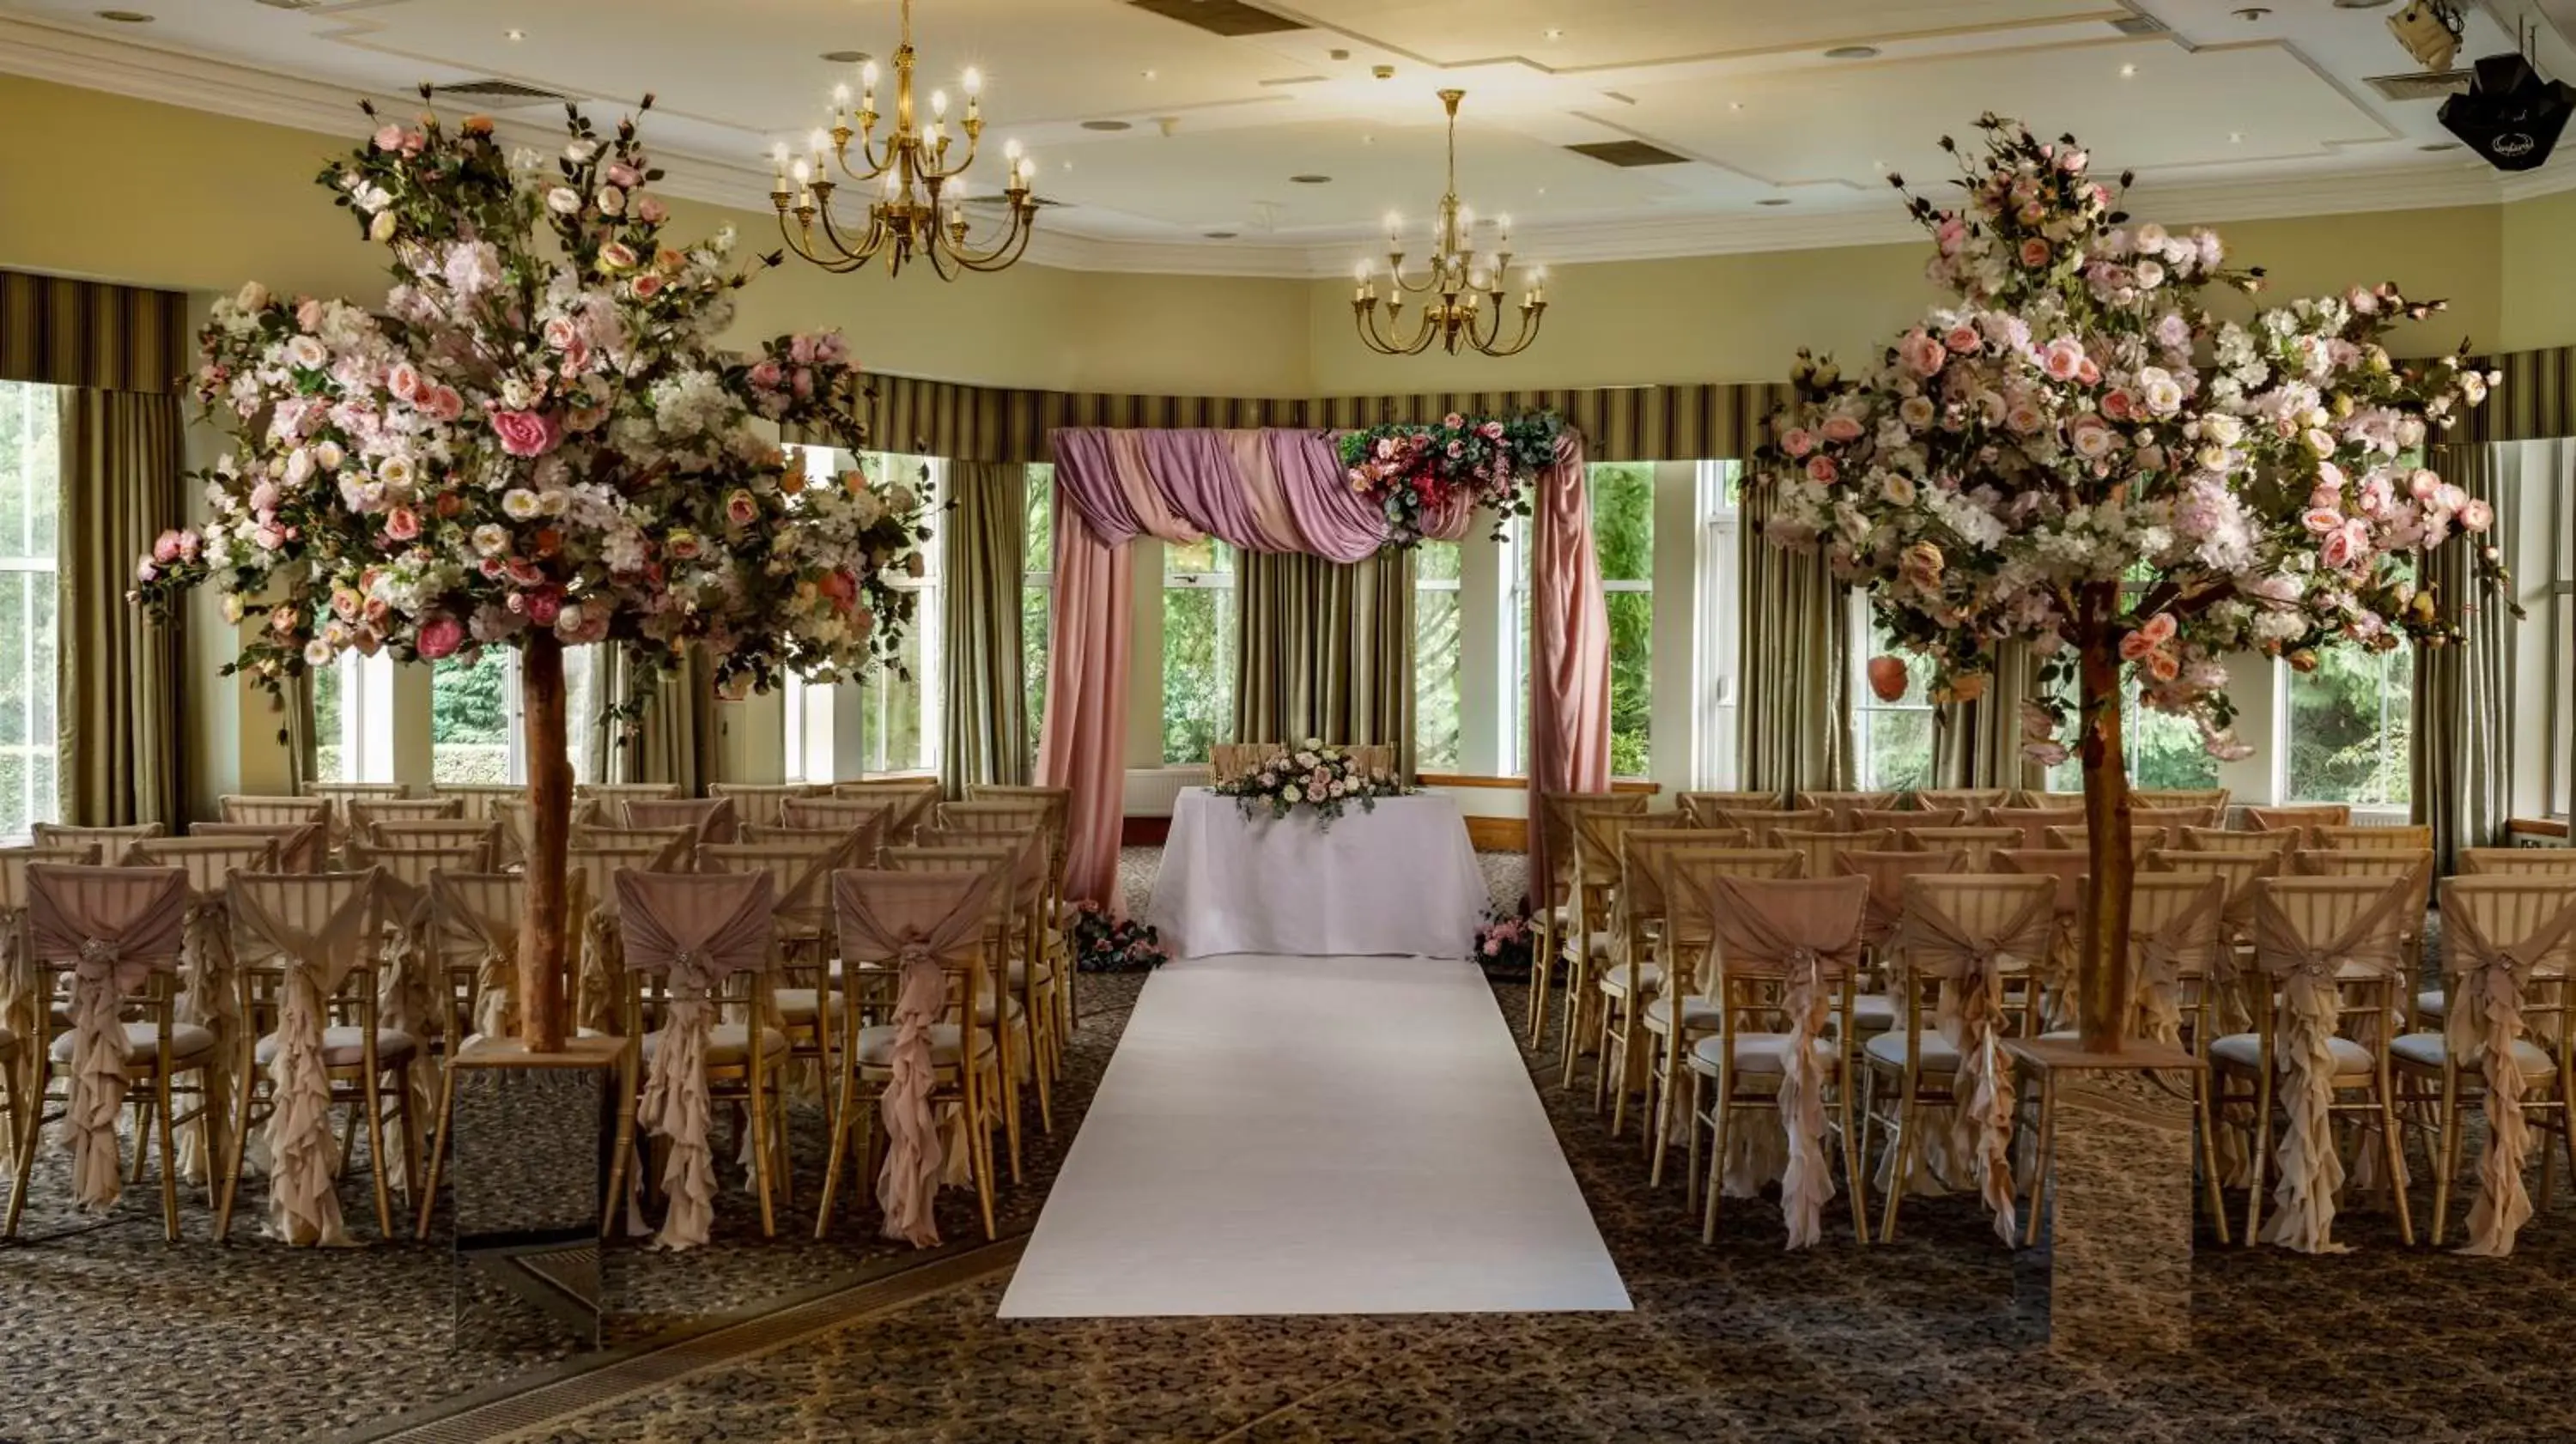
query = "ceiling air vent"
x=507 y=92
x=1229 y=18
x=1628 y=154
x=2423 y=85
x=2134 y=24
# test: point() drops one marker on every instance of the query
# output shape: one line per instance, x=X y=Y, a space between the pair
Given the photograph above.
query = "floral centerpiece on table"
x=2075 y=454
x=1104 y=944
x=537 y=443
x=1423 y=475
x=1311 y=777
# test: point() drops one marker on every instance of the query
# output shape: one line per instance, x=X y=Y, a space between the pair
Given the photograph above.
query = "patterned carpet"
x=107 y=1335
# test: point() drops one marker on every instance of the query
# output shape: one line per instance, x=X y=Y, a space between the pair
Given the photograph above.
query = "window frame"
x=1718 y=653
x=39 y=744
x=1865 y=704
x=2284 y=717
x=1218 y=580
x=1455 y=587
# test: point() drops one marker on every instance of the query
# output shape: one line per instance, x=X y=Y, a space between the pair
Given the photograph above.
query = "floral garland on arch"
x=1420 y=474
x=1312 y=778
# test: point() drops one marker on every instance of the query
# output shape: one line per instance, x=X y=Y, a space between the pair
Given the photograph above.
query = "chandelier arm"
x=1528 y=332
x=999 y=254
x=876 y=168
x=868 y=243
x=839 y=266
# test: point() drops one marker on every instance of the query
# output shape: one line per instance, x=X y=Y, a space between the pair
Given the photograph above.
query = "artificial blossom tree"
x=2073 y=454
x=537 y=443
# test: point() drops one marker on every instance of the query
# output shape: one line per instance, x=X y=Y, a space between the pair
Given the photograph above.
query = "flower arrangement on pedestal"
x=1311 y=777
x=2073 y=453
x=1428 y=477
x=536 y=444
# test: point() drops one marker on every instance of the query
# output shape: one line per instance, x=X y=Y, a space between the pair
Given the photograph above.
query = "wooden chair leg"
x=2446 y=1152
x=1851 y=1153
x=759 y=1121
x=407 y=1123
x=2393 y=1152
x=429 y=1166
x=233 y=1156
x=169 y=1156
x=2261 y=1149
x=1690 y=1157
x=369 y=1100
x=1724 y=1127
x=2209 y=1180
x=1902 y=1144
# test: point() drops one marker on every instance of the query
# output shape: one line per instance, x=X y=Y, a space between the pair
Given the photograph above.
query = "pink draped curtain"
x=1274 y=491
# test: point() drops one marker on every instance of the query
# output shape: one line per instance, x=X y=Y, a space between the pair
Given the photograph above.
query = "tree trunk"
x=544 y=935
x=2102 y=985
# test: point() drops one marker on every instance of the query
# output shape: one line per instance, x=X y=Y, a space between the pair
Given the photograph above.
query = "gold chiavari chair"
x=2508 y=950
x=1602 y=987
x=480 y=800
x=891 y=922
x=705 y=819
x=2517 y=861
x=1901 y=821
x=2173 y=819
x=1786 y=952
x=1028 y=973
x=111 y=844
x=996 y=1008
x=2179 y=961
x=891 y=820
x=208 y=997
x=1563 y=911
x=2078 y=839
x=1759 y=823
x=1230 y=760
x=2043 y=799
x=2330 y=947
x=1817 y=850
x=300 y=845
x=305 y=955
x=2368 y=839
x=2239 y=870
x=1979 y=843
x=519 y=825
x=453 y=835
x=801 y=881
x=1683 y=874
x=592 y=872
x=274 y=811
x=24 y=1010
x=1059 y=817
x=2068 y=868
x=112 y=939
x=1051 y=982
x=2212 y=798
x=412 y=994
x=2302 y=820
x=909 y=800
x=1972 y=802
x=2416 y=867
x=613 y=796
x=677 y=845
x=1640 y=921
x=1839 y=806
x=1702 y=808
x=758 y=804
x=698 y=947
x=474 y=920
x=2213 y=839
x=2033 y=823
x=1965 y=947
x=1874 y=1011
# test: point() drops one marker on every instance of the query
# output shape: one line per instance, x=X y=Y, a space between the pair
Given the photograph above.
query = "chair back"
x=2366 y=839
x=1596 y=847
x=2213 y=839
x=1839 y=806
x=1028 y=852
x=1987 y=931
x=1230 y=760
x=675 y=845
x=696 y=929
x=908 y=800
x=441 y=836
x=1979 y=843
x=209 y=862
x=2068 y=866
x=818 y=839
x=890 y=918
x=1689 y=879
x=14 y=862
x=1886 y=872
x=518 y=819
x=1972 y=802
x=2416 y=867
x=2503 y=934
x=1702 y=807
x=757 y=804
x=884 y=813
x=970 y=817
x=1642 y=851
x=800 y=877
x=2517 y=861
x=1786 y=929
x=2033 y=823
x=299 y=845
x=274 y=811
x=2334 y=938
x=2167 y=823
x=1760 y=823
x=1903 y=820
x=1059 y=814
x=2141 y=840
x=2301 y=820
x=620 y=793
x=110 y=843
x=2041 y=797
x=366 y=816
x=320 y=925
x=2214 y=799
x=2178 y=952
x=481 y=801
x=131 y=919
x=2241 y=871
x=474 y=922
x=1819 y=849
x=340 y=793
x=704 y=819
x=407 y=870
x=1558 y=812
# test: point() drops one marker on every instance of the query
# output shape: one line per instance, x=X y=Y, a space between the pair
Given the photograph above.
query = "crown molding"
x=123 y=67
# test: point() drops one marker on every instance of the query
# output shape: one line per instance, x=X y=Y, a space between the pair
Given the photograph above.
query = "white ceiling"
x=2222 y=116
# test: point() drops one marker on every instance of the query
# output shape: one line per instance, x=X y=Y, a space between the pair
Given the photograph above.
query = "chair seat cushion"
x=876 y=1045
x=346 y=1047
x=2424 y=1050
x=1888 y=1049
x=2245 y=1050
x=2431 y=1005
x=1017 y=974
x=1755 y=1052
x=800 y=1006
x=1699 y=1015
x=188 y=1042
x=1873 y=1013
x=1614 y=980
x=728 y=1044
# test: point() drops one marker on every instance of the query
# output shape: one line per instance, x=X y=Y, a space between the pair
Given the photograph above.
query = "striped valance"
x=2537 y=399
x=1627 y=423
x=86 y=333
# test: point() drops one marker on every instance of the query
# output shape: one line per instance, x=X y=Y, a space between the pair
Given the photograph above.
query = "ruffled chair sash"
x=2185 y=944
x=2484 y=1022
x=1809 y=931
x=491 y=943
x=697 y=929
x=926 y=923
x=304 y=1208
x=115 y=927
x=1971 y=966
x=2308 y=973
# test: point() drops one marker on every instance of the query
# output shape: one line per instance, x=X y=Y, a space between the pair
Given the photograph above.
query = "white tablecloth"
x=1401 y=880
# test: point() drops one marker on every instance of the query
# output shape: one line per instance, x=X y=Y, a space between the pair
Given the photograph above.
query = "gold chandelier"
x=1465 y=285
x=918 y=208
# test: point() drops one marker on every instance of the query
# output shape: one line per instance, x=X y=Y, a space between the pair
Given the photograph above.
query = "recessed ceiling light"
x=1222 y=235
x=1772 y=201
x=1311 y=180
x=1368 y=140
x=1106 y=125
x=2127 y=70
x=1852 y=52
x=1149 y=75
x=1542 y=190
x=2236 y=137
x=847 y=57
x=516 y=34
x=1735 y=105
x=125 y=17
x=1556 y=35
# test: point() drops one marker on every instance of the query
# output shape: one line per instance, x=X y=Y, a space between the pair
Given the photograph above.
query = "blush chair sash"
x=2484 y=1021
x=697 y=929
x=114 y=927
x=926 y=924
x=1970 y=964
x=319 y=927
x=2189 y=943
x=1807 y=932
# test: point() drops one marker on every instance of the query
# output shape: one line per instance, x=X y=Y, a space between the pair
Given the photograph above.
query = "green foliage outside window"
x=1198 y=649
x=1438 y=647
x=1623 y=537
x=469 y=720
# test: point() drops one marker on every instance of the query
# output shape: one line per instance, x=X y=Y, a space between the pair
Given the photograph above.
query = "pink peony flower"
x=1821 y=469
x=402 y=524
x=525 y=433
x=646 y=286
x=544 y=607
x=651 y=211
x=165 y=548
x=1963 y=340
x=1921 y=354
x=1842 y=429
x=404 y=381
x=2034 y=253
x=2477 y=515
x=1453 y=421
x=389 y=137
x=444 y=403
x=742 y=510
x=1798 y=441
x=440 y=636
x=622 y=174
x=766 y=375
x=2063 y=359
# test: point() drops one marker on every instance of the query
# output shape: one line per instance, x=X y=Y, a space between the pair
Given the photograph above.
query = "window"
x=1512 y=701
x=1198 y=648
x=1716 y=678
x=2346 y=727
x=1623 y=538
x=353 y=715
x=30 y=497
x=1037 y=598
x=2161 y=750
x=473 y=709
x=1892 y=741
x=1439 y=693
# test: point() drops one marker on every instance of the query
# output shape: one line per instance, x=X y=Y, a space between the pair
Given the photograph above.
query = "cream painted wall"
x=2539 y=265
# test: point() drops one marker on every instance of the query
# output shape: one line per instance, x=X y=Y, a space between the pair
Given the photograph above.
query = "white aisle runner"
x=1314 y=1136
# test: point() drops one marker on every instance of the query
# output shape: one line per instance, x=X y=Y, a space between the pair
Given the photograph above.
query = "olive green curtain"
x=2461 y=752
x=1796 y=711
x=1978 y=744
x=679 y=738
x=120 y=750
x=302 y=733
x=984 y=726
x=1324 y=649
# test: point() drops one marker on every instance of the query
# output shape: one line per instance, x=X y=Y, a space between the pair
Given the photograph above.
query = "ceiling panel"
x=1597 y=33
